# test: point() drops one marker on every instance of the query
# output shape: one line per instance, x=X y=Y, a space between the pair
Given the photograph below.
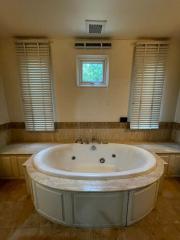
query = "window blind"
x=149 y=71
x=36 y=85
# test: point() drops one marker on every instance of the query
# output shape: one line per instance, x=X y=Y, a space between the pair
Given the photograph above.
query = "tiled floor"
x=19 y=220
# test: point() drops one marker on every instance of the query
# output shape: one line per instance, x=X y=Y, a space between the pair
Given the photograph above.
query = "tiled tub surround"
x=107 y=131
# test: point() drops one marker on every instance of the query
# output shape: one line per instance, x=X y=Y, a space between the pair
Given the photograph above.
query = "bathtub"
x=94 y=185
x=94 y=161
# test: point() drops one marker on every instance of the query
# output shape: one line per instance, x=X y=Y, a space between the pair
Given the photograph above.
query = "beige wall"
x=91 y=104
x=4 y=118
x=11 y=80
x=177 y=117
x=3 y=107
x=171 y=86
x=88 y=104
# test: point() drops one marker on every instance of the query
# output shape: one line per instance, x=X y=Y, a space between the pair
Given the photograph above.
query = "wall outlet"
x=123 y=119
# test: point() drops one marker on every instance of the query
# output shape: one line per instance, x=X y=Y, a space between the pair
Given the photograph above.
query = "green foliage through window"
x=92 y=72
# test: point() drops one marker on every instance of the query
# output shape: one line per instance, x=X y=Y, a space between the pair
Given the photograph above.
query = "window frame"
x=80 y=59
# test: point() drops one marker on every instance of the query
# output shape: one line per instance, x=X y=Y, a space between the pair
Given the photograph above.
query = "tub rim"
x=91 y=185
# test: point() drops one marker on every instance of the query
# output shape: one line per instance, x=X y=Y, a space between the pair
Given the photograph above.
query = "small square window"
x=92 y=71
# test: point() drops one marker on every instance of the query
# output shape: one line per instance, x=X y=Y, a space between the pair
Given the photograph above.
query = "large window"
x=149 y=72
x=92 y=71
x=36 y=84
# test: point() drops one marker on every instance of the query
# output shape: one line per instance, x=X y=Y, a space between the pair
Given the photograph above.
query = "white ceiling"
x=66 y=18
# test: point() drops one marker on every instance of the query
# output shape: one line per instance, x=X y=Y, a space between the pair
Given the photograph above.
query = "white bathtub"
x=105 y=162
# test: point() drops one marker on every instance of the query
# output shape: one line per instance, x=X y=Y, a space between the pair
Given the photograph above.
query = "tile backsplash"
x=5 y=134
x=107 y=132
x=176 y=136
x=104 y=131
x=176 y=133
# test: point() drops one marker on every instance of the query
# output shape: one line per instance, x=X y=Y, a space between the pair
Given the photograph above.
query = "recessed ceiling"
x=66 y=18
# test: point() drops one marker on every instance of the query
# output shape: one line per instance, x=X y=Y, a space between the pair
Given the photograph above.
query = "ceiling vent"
x=92 y=45
x=95 y=27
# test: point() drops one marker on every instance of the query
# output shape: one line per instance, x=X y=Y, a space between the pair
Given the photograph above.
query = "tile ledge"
x=32 y=148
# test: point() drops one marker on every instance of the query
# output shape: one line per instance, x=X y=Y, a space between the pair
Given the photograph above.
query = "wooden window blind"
x=36 y=84
x=149 y=72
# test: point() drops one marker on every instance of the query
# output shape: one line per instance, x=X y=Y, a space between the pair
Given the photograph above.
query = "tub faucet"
x=95 y=140
x=79 y=140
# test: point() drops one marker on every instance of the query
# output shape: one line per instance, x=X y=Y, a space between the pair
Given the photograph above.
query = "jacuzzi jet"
x=113 y=155
x=93 y=147
x=73 y=158
x=102 y=160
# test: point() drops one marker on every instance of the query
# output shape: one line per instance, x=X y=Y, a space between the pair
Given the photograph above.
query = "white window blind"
x=149 y=71
x=36 y=85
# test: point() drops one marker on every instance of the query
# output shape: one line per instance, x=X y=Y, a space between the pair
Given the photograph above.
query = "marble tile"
x=24 y=234
x=176 y=135
x=10 y=194
x=6 y=233
x=111 y=233
x=69 y=233
x=5 y=137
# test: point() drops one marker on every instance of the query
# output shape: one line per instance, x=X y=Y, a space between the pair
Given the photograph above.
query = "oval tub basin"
x=94 y=161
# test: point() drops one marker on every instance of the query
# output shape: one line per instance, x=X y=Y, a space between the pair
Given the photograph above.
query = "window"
x=148 y=76
x=92 y=70
x=36 y=85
